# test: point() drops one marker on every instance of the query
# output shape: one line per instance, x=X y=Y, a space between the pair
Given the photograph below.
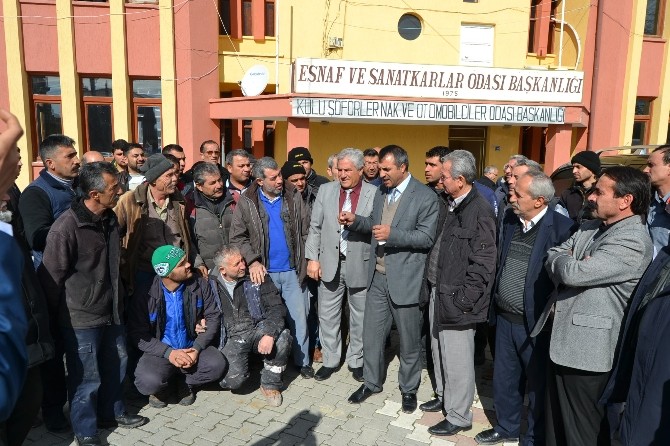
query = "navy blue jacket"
x=13 y=326
x=641 y=372
x=553 y=230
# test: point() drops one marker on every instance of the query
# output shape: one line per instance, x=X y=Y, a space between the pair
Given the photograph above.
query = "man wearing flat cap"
x=162 y=325
x=301 y=155
x=150 y=216
x=585 y=170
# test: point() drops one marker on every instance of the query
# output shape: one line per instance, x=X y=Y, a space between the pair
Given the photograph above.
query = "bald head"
x=92 y=156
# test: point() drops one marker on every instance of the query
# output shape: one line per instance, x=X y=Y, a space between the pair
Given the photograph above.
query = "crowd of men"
x=144 y=275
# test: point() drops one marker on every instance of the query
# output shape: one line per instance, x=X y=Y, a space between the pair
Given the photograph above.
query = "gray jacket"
x=596 y=273
x=412 y=235
x=210 y=225
x=323 y=241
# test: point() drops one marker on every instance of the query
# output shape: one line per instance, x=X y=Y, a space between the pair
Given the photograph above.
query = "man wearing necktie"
x=339 y=258
x=402 y=224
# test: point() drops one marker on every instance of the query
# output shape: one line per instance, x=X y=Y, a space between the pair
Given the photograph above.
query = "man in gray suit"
x=339 y=258
x=402 y=224
x=596 y=271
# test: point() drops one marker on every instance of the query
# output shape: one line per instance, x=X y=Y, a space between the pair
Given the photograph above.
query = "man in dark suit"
x=402 y=224
x=520 y=292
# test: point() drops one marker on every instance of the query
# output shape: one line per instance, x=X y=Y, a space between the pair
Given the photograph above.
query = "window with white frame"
x=477 y=45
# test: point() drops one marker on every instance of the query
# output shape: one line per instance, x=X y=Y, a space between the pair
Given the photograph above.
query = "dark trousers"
x=53 y=383
x=380 y=312
x=520 y=365
x=96 y=366
x=574 y=417
x=237 y=350
x=14 y=430
x=153 y=372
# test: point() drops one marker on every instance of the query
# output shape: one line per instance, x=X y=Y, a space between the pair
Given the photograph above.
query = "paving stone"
x=217 y=434
x=342 y=438
x=237 y=419
x=367 y=437
x=159 y=438
x=406 y=420
x=246 y=431
x=435 y=441
x=354 y=425
x=420 y=434
x=290 y=440
x=327 y=425
x=391 y=408
x=300 y=428
x=156 y=423
x=209 y=421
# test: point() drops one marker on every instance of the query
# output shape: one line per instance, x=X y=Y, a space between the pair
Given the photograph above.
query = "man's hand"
x=265 y=345
x=203 y=271
x=381 y=232
x=181 y=359
x=346 y=218
x=9 y=154
x=193 y=354
x=314 y=269
x=257 y=272
x=201 y=327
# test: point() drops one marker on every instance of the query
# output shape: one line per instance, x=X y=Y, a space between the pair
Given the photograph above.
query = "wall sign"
x=434 y=81
x=426 y=111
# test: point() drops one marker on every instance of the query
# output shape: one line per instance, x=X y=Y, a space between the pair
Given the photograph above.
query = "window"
x=224 y=11
x=477 y=45
x=652 y=19
x=97 y=113
x=247 y=140
x=541 y=28
x=46 y=107
x=269 y=138
x=409 y=26
x=147 y=114
x=641 y=123
x=247 y=30
x=269 y=17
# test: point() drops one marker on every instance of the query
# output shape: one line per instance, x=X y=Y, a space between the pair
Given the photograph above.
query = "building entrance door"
x=472 y=139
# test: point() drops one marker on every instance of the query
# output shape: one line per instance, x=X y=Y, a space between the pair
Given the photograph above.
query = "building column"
x=168 y=73
x=17 y=83
x=121 y=90
x=297 y=133
x=67 y=67
x=559 y=146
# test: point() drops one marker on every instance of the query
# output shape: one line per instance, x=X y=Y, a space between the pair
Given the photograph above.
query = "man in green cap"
x=162 y=325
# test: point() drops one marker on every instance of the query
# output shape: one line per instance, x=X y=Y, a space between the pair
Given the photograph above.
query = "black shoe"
x=357 y=373
x=56 y=424
x=361 y=395
x=186 y=394
x=480 y=357
x=490 y=436
x=324 y=373
x=408 y=402
x=307 y=372
x=445 y=427
x=126 y=420
x=88 y=441
x=434 y=405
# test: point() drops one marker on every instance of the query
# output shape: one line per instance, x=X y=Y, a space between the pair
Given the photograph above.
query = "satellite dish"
x=254 y=81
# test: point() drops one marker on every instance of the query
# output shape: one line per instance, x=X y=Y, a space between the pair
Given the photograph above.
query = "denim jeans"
x=96 y=364
x=297 y=303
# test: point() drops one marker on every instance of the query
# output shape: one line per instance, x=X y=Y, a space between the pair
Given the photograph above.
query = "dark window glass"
x=409 y=26
x=667 y=137
x=147 y=88
x=99 y=126
x=269 y=18
x=48 y=85
x=651 y=19
x=246 y=18
x=642 y=107
x=639 y=133
x=149 y=128
x=47 y=119
x=96 y=86
x=246 y=136
x=269 y=138
x=224 y=10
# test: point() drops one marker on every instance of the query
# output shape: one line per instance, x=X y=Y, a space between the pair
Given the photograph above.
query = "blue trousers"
x=297 y=303
x=96 y=365
x=520 y=361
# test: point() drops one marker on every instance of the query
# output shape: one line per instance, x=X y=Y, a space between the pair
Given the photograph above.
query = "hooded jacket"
x=210 y=223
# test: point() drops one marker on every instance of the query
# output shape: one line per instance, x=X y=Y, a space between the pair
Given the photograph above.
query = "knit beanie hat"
x=588 y=159
x=291 y=168
x=299 y=154
x=166 y=258
x=155 y=166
